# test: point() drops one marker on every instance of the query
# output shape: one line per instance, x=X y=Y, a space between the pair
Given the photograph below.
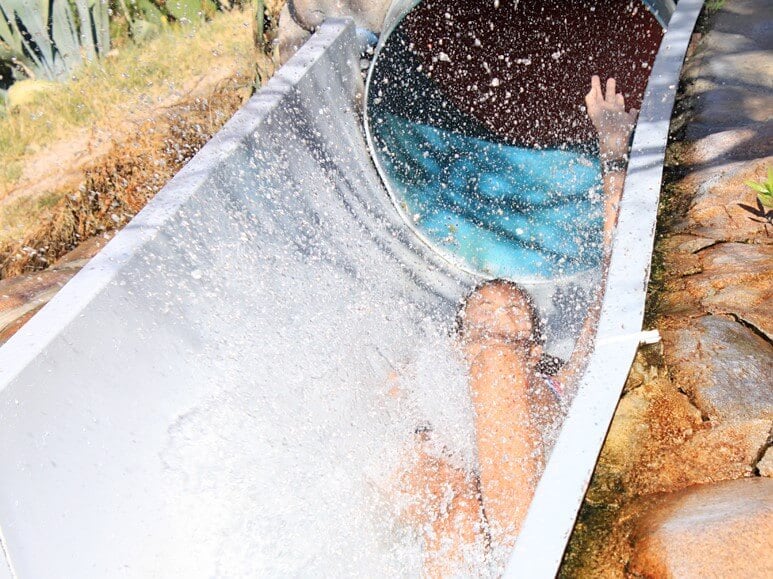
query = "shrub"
x=50 y=39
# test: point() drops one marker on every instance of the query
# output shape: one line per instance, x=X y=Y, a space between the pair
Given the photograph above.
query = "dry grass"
x=15 y=215
x=119 y=185
x=37 y=230
x=133 y=80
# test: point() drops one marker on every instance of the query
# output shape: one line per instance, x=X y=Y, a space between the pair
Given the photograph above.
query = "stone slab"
x=719 y=530
x=723 y=452
x=725 y=367
x=720 y=199
x=734 y=279
x=730 y=79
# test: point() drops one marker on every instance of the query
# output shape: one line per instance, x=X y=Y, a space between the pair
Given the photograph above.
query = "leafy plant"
x=140 y=13
x=715 y=5
x=764 y=191
x=51 y=38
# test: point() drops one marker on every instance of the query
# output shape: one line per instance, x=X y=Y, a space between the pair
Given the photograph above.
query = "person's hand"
x=607 y=113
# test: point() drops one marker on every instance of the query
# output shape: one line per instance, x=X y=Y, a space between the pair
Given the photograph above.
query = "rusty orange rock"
x=717 y=210
x=725 y=367
x=726 y=278
x=723 y=452
x=718 y=530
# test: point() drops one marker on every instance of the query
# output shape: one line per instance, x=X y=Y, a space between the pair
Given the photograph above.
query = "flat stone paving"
x=716 y=311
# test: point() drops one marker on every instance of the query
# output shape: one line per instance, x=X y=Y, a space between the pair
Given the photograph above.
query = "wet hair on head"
x=537 y=333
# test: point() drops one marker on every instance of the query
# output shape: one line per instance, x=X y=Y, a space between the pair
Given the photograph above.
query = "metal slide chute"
x=210 y=395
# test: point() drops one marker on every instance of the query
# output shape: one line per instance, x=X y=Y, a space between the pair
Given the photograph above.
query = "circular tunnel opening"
x=475 y=113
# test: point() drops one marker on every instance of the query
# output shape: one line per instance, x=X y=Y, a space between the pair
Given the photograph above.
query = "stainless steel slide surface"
x=228 y=388
x=196 y=402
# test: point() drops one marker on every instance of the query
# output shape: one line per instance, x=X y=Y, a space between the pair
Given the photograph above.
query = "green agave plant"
x=49 y=39
x=161 y=12
x=188 y=10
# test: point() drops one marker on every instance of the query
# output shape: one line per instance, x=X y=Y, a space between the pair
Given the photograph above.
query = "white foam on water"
x=311 y=394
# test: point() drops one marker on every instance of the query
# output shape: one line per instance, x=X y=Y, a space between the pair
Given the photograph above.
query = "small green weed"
x=764 y=191
x=715 y=5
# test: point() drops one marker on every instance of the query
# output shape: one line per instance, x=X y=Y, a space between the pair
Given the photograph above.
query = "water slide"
x=228 y=388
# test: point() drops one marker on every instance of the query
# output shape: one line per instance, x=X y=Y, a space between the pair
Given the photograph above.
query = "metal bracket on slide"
x=643 y=338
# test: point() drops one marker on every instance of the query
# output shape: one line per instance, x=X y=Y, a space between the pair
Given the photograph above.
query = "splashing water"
x=509 y=212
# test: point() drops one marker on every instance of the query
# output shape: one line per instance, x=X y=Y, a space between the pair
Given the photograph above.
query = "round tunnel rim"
x=397 y=12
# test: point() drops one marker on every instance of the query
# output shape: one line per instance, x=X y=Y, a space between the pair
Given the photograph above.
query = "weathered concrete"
x=719 y=530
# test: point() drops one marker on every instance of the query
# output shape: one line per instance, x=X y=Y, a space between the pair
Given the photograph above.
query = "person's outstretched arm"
x=614 y=127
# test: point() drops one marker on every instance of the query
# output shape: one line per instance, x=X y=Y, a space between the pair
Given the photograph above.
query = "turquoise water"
x=506 y=211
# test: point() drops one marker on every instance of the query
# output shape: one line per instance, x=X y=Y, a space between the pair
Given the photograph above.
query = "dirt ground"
x=97 y=178
x=119 y=179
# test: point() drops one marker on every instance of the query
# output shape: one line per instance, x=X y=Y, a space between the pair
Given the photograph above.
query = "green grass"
x=126 y=84
x=714 y=5
x=11 y=170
